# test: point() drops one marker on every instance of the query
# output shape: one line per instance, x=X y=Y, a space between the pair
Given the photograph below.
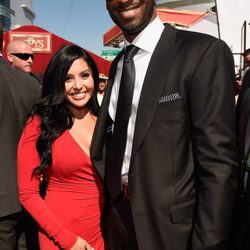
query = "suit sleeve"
x=28 y=188
x=214 y=146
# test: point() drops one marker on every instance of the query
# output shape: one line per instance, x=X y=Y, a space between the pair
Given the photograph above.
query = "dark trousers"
x=240 y=239
x=123 y=208
x=18 y=232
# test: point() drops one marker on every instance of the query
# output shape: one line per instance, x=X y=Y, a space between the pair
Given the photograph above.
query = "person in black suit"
x=18 y=93
x=177 y=183
x=241 y=228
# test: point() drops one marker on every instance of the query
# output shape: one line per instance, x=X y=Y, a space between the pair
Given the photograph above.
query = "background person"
x=21 y=56
x=241 y=227
x=246 y=56
x=103 y=81
x=174 y=184
x=56 y=142
x=241 y=73
x=18 y=93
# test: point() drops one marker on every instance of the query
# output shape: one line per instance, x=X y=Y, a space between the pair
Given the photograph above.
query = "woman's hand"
x=81 y=244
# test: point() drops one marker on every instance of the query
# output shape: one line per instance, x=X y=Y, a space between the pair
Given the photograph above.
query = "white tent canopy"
x=207 y=25
x=232 y=15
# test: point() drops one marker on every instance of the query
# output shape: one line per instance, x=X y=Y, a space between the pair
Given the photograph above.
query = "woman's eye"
x=85 y=75
x=68 y=79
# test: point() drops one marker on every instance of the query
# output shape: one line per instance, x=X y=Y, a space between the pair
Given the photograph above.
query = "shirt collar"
x=145 y=40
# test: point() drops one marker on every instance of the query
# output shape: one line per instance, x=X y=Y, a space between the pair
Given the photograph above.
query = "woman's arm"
x=28 y=188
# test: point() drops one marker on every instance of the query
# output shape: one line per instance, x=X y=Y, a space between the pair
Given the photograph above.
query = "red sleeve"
x=28 y=188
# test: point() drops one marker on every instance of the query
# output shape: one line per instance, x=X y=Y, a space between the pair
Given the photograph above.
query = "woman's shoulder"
x=33 y=124
x=33 y=120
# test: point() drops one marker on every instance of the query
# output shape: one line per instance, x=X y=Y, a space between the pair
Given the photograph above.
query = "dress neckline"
x=78 y=145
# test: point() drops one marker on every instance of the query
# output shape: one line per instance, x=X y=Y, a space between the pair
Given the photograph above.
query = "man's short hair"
x=246 y=52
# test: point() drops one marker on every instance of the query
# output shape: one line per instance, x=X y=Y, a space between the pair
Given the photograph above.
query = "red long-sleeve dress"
x=74 y=197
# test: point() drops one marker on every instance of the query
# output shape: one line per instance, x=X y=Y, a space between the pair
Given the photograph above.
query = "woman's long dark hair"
x=52 y=109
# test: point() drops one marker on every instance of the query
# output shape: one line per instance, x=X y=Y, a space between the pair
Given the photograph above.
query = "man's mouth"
x=129 y=12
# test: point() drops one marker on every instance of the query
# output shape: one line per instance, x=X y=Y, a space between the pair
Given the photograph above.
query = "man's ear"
x=10 y=58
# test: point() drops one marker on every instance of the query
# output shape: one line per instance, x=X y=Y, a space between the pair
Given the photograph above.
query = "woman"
x=56 y=143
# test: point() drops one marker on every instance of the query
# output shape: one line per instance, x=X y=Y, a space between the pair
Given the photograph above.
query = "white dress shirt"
x=146 y=41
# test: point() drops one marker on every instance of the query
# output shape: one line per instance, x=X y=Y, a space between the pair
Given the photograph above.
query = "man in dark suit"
x=241 y=228
x=177 y=183
x=18 y=93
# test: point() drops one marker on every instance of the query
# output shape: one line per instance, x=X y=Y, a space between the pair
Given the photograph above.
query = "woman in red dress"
x=56 y=142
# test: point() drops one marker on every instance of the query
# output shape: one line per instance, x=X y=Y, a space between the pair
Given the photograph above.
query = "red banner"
x=40 y=42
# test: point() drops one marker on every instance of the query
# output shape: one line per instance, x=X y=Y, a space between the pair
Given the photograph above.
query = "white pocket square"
x=169 y=98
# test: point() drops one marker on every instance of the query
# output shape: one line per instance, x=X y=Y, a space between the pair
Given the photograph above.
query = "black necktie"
x=123 y=112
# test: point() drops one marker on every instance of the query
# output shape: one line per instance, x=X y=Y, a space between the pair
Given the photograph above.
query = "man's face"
x=132 y=16
x=247 y=60
x=102 y=84
x=22 y=58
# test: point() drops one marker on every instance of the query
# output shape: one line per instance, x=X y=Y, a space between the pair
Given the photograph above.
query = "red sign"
x=40 y=42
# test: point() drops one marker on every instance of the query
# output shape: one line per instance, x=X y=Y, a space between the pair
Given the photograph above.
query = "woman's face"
x=79 y=85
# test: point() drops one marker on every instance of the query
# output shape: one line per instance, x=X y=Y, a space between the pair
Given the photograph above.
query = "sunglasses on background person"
x=103 y=80
x=23 y=56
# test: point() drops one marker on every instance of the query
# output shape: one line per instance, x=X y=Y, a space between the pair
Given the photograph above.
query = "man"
x=103 y=80
x=246 y=56
x=21 y=56
x=18 y=93
x=240 y=76
x=176 y=184
x=241 y=228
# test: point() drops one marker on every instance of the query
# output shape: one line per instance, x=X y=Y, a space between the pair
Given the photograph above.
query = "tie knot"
x=130 y=52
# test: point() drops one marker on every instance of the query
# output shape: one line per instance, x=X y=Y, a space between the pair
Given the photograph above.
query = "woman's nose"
x=78 y=84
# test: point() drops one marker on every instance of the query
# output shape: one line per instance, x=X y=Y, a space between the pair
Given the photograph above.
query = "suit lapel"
x=155 y=80
x=98 y=145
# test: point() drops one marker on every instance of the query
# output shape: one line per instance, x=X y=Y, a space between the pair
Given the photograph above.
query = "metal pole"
x=217 y=17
